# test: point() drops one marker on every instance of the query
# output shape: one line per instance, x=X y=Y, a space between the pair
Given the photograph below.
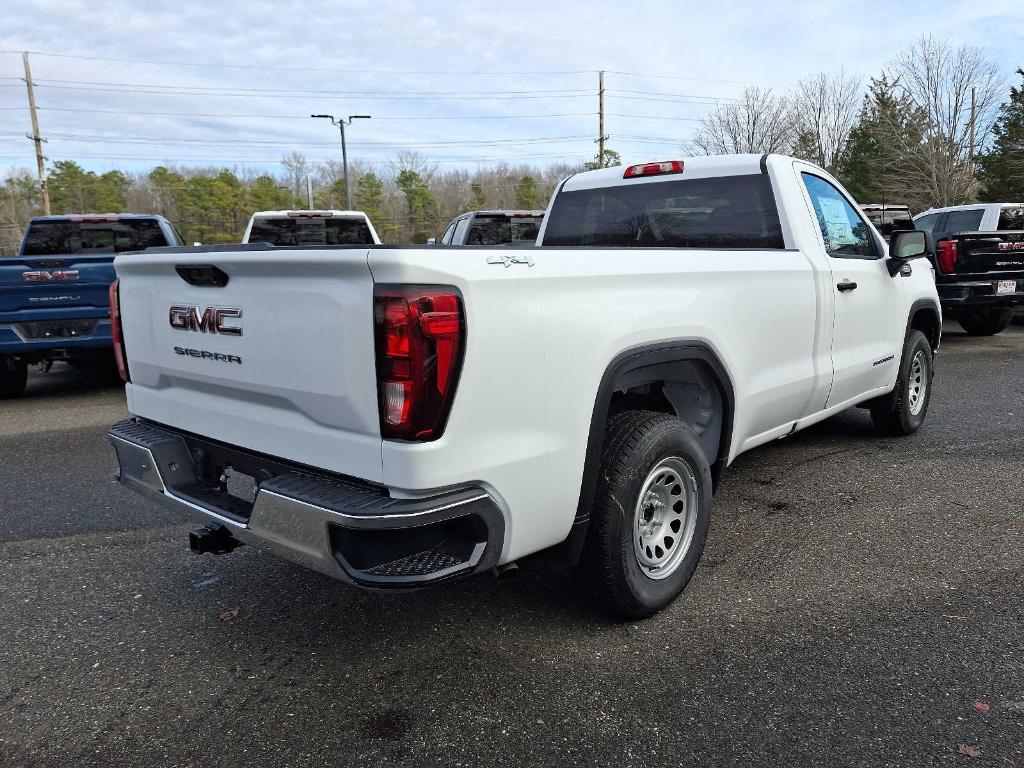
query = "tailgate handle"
x=202 y=274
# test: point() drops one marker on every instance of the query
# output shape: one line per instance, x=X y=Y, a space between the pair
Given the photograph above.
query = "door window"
x=446 y=239
x=845 y=232
x=460 y=231
x=927 y=222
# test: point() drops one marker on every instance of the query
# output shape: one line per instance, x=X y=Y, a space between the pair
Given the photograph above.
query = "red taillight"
x=420 y=335
x=947 y=256
x=653 y=169
x=120 y=357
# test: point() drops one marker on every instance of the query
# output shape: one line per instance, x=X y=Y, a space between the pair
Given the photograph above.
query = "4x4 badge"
x=511 y=258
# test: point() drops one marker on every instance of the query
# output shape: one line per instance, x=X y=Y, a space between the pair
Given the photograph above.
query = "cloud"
x=433 y=60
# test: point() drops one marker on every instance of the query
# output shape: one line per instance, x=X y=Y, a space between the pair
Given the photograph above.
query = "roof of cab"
x=81 y=216
x=301 y=212
x=693 y=168
x=967 y=207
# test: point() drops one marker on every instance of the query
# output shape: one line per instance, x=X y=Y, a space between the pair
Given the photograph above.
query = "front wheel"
x=985 y=322
x=903 y=411
x=651 y=513
x=13 y=376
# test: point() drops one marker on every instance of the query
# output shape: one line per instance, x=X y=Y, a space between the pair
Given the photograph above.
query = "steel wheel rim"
x=665 y=518
x=918 y=385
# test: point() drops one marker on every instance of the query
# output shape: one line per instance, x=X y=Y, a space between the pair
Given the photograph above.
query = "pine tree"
x=882 y=146
x=527 y=195
x=1002 y=168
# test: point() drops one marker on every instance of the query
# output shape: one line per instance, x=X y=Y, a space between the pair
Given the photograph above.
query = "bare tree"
x=760 y=121
x=297 y=167
x=825 y=108
x=938 y=80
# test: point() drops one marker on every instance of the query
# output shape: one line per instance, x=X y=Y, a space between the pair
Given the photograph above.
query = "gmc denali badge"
x=188 y=317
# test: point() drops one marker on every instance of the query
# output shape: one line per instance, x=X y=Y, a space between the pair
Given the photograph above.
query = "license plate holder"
x=1006 y=286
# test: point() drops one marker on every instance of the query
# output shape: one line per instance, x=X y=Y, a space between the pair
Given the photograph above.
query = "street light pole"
x=341 y=123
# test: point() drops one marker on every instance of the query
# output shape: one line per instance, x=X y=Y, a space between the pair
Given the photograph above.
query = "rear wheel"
x=985 y=322
x=903 y=412
x=13 y=375
x=651 y=513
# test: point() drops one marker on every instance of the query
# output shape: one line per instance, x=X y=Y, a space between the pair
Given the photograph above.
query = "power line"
x=354 y=71
x=301 y=69
x=277 y=91
x=656 y=117
x=289 y=94
x=277 y=160
x=92 y=138
x=302 y=116
x=697 y=79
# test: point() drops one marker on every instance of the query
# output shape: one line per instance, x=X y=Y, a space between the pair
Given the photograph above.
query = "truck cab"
x=53 y=294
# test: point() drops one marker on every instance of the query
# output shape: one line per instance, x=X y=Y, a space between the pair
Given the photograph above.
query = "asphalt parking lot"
x=860 y=603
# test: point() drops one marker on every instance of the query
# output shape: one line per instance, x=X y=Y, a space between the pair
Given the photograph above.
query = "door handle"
x=846 y=285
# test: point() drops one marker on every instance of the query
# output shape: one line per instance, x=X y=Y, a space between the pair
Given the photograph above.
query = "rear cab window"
x=53 y=237
x=964 y=221
x=503 y=229
x=310 y=230
x=889 y=218
x=1011 y=218
x=720 y=212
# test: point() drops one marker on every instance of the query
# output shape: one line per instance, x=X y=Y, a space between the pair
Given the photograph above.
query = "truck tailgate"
x=296 y=380
x=29 y=284
x=990 y=255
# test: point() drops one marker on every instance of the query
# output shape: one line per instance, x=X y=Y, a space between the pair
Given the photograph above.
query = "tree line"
x=935 y=127
x=408 y=200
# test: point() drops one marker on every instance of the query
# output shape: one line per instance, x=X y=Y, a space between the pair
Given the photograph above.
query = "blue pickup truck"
x=54 y=301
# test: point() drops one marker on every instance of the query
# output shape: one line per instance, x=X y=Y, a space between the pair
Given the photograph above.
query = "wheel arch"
x=925 y=316
x=680 y=370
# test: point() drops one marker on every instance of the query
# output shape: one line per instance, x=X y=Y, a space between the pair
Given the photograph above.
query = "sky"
x=228 y=83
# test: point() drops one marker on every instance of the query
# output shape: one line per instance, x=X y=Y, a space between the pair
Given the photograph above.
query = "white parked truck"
x=394 y=419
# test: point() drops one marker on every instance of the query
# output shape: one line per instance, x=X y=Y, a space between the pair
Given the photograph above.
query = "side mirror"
x=431 y=241
x=907 y=244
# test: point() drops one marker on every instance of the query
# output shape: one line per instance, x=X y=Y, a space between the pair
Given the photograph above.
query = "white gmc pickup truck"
x=397 y=416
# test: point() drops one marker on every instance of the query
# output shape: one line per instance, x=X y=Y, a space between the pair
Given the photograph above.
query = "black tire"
x=636 y=442
x=985 y=322
x=901 y=413
x=13 y=375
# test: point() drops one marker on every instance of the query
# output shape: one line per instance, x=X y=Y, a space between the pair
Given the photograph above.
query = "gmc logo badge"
x=42 y=276
x=185 y=317
x=1010 y=246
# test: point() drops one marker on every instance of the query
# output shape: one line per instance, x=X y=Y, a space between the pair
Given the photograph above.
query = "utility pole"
x=600 y=119
x=35 y=137
x=341 y=123
x=309 y=192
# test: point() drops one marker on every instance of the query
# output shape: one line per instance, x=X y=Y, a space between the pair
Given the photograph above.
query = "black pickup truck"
x=979 y=269
x=980 y=279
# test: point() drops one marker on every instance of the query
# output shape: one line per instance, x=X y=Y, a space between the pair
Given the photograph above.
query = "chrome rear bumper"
x=347 y=529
